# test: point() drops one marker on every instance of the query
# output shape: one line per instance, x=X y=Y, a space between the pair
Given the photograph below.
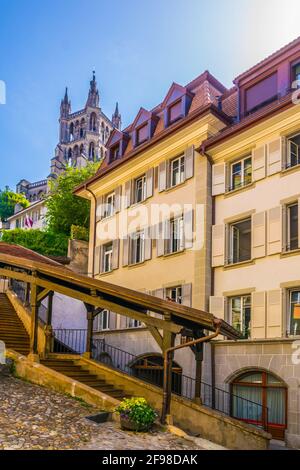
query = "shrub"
x=79 y=233
x=138 y=411
x=45 y=243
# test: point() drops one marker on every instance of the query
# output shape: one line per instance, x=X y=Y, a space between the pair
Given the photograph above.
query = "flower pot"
x=129 y=425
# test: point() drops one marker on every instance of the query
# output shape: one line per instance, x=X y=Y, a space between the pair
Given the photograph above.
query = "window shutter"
x=99 y=210
x=115 y=254
x=259 y=235
x=259 y=163
x=299 y=222
x=149 y=183
x=112 y=322
x=186 y=291
x=275 y=230
x=160 y=293
x=258 y=315
x=162 y=176
x=101 y=259
x=128 y=192
x=160 y=242
x=123 y=322
x=218 y=245
x=217 y=306
x=218 y=179
x=125 y=251
x=274 y=314
x=166 y=236
x=188 y=229
x=189 y=162
x=97 y=260
x=148 y=243
x=276 y=151
x=118 y=193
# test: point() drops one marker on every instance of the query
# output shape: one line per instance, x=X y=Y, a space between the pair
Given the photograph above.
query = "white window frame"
x=178 y=293
x=288 y=226
x=180 y=161
x=107 y=254
x=176 y=244
x=142 y=181
x=292 y=149
x=242 y=162
x=133 y=247
x=110 y=204
x=102 y=321
x=132 y=323
x=243 y=299
x=232 y=227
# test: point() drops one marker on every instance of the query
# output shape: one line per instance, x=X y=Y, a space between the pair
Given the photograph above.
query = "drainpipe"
x=94 y=234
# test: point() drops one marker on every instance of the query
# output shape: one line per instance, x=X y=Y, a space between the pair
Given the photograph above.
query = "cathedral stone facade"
x=83 y=136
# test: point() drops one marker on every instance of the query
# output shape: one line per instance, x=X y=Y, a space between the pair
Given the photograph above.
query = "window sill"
x=174 y=253
x=286 y=254
x=171 y=188
x=106 y=273
x=239 y=264
x=136 y=265
x=238 y=190
x=291 y=169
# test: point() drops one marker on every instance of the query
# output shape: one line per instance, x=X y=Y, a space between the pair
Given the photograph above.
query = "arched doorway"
x=151 y=369
x=269 y=391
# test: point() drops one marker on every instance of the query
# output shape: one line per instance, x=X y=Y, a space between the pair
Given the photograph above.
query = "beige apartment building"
x=256 y=243
x=156 y=185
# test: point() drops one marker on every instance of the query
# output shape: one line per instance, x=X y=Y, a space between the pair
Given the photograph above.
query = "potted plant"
x=136 y=414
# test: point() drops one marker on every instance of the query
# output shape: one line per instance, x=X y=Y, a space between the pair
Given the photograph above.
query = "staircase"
x=70 y=368
x=12 y=330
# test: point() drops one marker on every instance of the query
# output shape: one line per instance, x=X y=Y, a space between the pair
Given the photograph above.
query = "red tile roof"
x=21 y=252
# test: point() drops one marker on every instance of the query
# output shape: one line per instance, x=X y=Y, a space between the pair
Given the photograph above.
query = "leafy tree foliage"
x=45 y=243
x=64 y=209
x=8 y=200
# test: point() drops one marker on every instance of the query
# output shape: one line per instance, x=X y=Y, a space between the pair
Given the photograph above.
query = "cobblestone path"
x=34 y=417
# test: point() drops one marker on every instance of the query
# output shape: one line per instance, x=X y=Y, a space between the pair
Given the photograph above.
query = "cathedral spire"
x=93 y=97
x=116 y=118
x=65 y=105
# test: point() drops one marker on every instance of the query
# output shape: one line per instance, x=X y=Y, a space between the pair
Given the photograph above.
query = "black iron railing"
x=71 y=341
x=20 y=290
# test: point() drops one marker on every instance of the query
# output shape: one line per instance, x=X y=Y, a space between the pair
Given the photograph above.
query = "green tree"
x=64 y=209
x=8 y=200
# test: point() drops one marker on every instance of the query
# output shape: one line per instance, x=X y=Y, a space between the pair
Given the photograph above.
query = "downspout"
x=94 y=234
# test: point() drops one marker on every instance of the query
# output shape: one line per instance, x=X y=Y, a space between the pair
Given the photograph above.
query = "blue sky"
x=138 y=48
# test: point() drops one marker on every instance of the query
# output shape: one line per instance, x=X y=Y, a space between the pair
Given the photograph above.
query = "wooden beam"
x=34 y=320
x=42 y=295
x=156 y=335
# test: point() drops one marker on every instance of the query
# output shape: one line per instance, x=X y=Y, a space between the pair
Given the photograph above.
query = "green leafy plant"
x=137 y=411
x=45 y=243
x=8 y=200
x=79 y=233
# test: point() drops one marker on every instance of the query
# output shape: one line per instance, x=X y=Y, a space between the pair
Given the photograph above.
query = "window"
x=132 y=323
x=240 y=241
x=177 y=170
x=240 y=313
x=142 y=134
x=109 y=209
x=296 y=73
x=261 y=94
x=241 y=173
x=140 y=189
x=174 y=294
x=175 y=112
x=294 y=312
x=114 y=152
x=292 y=227
x=293 y=154
x=175 y=242
x=101 y=322
x=107 y=257
x=137 y=244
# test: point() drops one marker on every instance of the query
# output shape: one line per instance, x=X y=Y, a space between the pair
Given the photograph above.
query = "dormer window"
x=175 y=112
x=142 y=134
x=114 y=153
x=296 y=73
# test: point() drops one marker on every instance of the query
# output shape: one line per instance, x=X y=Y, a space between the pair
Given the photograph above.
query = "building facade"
x=151 y=211
x=256 y=242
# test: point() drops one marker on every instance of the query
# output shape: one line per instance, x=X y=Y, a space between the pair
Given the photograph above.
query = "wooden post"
x=34 y=323
x=27 y=294
x=89 y=337
x=198 y=353
x=168 y=342
x=48 y=327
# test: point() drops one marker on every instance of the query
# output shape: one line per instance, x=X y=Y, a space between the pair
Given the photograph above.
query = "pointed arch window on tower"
x=92 y=153
x=93 y=122
x=71 y=131
x=70 y=156
x=82 y=128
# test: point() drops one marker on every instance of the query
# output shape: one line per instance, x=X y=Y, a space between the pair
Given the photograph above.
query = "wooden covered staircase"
x=12 y=330
x=75 y=371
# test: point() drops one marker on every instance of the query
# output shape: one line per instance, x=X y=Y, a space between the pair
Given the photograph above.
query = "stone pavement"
x=34 y=417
